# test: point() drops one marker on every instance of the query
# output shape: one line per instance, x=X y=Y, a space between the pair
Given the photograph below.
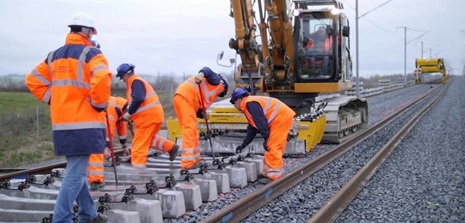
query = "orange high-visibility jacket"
x=273 y=109
x=190 y=91
x=75 y=81
x=115 y=112
x=151 y=108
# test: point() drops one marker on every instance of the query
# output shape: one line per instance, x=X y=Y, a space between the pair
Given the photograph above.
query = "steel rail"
x=259 y=198
x=336 y=205
x=45 y=169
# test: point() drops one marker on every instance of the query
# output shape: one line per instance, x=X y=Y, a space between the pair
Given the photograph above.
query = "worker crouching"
x=115 y=110
x=273 y=120
x=146 y=113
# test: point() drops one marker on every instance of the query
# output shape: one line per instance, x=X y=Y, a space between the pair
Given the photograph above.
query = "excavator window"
x=317 y=59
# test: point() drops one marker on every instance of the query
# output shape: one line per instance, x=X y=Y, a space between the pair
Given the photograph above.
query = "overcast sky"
x=181 y=36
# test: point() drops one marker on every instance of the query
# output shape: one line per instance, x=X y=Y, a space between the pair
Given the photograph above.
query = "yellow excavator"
x=299 y=52
x=432 y=65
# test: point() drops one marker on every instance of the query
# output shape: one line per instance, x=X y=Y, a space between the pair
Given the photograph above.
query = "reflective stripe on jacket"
x=151 y=104
x=75 y=81
x=191 y=92
x=272 y=108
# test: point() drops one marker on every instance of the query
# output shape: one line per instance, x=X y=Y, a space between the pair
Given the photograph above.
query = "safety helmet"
x=125 y=68
x=225 y=83
x=237 y=94
x=95 y=43
x=84 y=20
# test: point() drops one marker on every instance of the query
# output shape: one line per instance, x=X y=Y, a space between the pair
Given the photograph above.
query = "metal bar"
x=259 y=198
x=336 y=205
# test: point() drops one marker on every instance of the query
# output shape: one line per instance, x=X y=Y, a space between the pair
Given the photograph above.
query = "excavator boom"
x=296 y=51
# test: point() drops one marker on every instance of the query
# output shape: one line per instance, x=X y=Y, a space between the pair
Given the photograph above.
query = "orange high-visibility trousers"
x=273 y=159
x=162 y=144
x=187 y=119
x=95 y=169
x=144 y=134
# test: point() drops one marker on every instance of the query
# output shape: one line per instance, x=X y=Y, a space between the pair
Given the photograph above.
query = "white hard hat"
x=83 y=19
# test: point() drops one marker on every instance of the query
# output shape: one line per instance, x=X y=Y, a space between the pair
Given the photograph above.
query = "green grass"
x=22 y=142
x=19 y=142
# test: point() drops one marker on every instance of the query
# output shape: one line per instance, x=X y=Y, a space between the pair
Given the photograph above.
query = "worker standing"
x=273 y=120
x=115 y=110
x=145 y=111
x=191 y=98
x=75 y=81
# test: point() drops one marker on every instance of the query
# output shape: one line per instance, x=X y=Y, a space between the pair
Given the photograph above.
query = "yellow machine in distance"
x=432 y=65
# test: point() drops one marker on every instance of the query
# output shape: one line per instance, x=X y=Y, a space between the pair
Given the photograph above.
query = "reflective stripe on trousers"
x=162 y=144
x=187 y=119
x=273 y=159
x=143 y=137
x=95 y=169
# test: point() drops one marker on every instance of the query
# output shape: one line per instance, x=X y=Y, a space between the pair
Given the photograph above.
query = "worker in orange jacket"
x=145 y=111
x=115 y=110
x=191 y=98
x=273 y=120
x=75 y=81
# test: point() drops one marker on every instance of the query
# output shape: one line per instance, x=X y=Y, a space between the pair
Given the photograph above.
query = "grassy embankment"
x=21 y=143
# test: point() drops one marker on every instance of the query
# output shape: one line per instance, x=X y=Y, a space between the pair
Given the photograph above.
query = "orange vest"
x=328 y=43
x=273 y=109
x=75 y=81
x=115 y=111
x=151 y=108
x=191 y=92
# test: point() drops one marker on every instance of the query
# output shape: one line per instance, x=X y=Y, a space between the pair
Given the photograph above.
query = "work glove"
x=126 y=116
x=199 y=77
x=240 y=148
x=201 y=114
x=265 y=144
x=107 y=153
x=126 y=151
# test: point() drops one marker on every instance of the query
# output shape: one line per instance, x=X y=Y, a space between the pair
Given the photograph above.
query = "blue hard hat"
x=225 y=83
x=125 y=68
x=237 y=94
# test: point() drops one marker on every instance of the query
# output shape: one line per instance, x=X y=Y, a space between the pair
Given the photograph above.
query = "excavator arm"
x=272 y=60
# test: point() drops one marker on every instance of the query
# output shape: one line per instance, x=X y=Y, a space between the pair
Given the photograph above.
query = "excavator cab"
x=321 y=45
x=315 y=59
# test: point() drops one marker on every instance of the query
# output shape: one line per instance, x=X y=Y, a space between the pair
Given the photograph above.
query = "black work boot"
x=101 y=218
x=174 y=152
x=94 y=186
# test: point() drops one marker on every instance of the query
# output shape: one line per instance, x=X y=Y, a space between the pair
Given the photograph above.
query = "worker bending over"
x=190 y=101
x=145 y=111
x=273 y=120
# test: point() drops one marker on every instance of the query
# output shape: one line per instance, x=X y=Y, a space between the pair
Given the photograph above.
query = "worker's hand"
x=205 y=115
x=265 y=144
x=199 y=77
x=126 y=116
x=240 y=148
x=107 y=153
x=126 y=151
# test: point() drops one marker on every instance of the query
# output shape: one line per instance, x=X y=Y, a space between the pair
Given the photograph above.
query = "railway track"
x=246 y=206
x=236 y=211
